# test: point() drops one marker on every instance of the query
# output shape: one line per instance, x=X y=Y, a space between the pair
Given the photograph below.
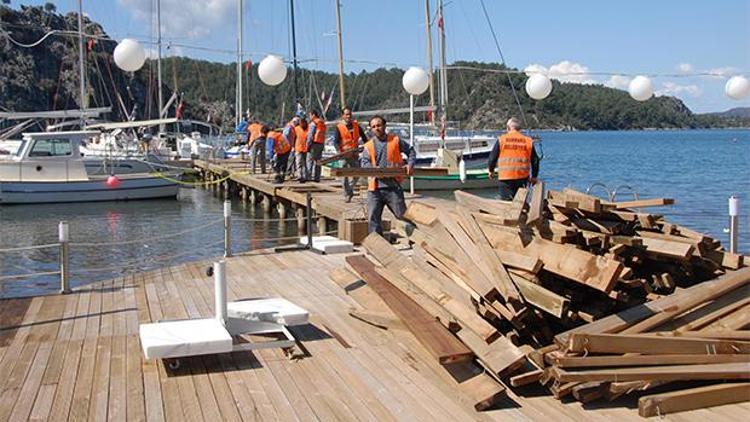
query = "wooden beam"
x=387 y=172
x=526 y=378
x=341 y=155
x=653 y=345
x=436 y=338
x=548 y=301
x=537 y=204
x=642 y=203
x=717 y=371
x=645 y=360
x=694 y=398
x=666 y=248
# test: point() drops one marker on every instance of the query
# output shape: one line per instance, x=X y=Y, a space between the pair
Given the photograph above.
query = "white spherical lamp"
x=538 y=86
x=129 y=55
x=272 y=70
x=640 y=88
x=415 y=81
x=737 y=87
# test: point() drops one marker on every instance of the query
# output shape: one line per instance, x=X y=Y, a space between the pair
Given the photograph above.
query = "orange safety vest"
x=254 y=131
x=514 y=160
x=349 y=140
x=393 y=157
x=280 y=144
x=320 y=131
x=300 y=144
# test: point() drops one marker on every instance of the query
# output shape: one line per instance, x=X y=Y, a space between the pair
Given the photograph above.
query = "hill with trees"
x=45 y=77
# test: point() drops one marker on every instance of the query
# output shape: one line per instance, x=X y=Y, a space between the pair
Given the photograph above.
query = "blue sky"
x=634 y=37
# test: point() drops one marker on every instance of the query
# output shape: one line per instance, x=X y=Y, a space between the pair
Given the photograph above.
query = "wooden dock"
x=78 y=357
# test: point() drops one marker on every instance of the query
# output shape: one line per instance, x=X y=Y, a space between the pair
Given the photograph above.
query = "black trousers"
x=377 y=200
x=508 y=188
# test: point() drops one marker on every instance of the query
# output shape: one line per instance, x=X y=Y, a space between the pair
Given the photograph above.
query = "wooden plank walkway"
x=78 y=357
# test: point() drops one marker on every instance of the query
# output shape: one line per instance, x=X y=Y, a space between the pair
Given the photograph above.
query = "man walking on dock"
x=316 y=138
x=290 y=134
x=347 y=138
x=257 y=143
x=385 y=150
x=514 y=159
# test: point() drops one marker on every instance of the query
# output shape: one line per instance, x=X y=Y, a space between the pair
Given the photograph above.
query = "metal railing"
x=64 y=245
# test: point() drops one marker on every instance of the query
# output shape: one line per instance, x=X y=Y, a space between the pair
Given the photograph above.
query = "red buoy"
x=113 y=182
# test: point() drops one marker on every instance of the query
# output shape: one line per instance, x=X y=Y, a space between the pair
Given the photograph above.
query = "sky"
x=605 y=42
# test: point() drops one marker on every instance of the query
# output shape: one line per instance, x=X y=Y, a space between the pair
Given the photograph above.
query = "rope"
x=130 y=242
x=27 y=275
x=26 y=248
x=500 y=51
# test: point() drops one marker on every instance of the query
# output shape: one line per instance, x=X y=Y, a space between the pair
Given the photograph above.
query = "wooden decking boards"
x=78 y=356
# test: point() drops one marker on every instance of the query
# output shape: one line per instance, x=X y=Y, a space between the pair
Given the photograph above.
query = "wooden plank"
x=513 y=259
x=669 y=249
x=645 y=360
x=438 y=340
x=341 y=155
x=642 y=203
x=693 y=398
x=484 y=391
x=717 y=371
x=548 y=301
x=387 y=172
x=537 y=204
x=669 y=306
x=526 y=378
x=585 y=202
x=490 y=206
x=647 y=344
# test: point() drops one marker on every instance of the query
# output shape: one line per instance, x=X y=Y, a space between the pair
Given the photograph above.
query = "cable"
x=32 y=247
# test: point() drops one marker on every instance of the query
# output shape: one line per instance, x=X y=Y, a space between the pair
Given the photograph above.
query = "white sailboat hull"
x=86 y=191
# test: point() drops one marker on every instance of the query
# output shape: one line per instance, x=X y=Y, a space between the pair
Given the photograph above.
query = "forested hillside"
x=45 y=77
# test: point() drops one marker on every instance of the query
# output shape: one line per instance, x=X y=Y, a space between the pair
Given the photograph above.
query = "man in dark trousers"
x=514 y=160
x=278 y=152
x=347 y=137
x=385 y=150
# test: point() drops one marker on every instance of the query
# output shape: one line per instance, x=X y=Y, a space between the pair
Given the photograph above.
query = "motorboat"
x=48 y=168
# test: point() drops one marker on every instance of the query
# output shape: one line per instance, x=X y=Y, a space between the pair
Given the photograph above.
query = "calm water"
x=700 y=169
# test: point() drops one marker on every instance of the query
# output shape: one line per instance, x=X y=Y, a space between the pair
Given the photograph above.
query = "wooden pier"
x=78 y=357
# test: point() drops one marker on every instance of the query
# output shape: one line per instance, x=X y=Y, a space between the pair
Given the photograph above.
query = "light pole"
x=415 y=82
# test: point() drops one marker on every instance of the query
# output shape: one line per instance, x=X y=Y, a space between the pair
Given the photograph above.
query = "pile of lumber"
x=504 y=278
x=696 y=334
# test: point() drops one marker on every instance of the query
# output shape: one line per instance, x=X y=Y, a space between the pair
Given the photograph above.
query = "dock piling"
x=227 y=228
x=64 y=237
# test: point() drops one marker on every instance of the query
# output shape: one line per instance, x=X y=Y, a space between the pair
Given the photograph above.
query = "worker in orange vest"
x=257 y=144
x=290 y=134
x=514 y=160
x=316 y=138
x=385 y=150
x=301 y=150
x=278 y=152
x=347 y=137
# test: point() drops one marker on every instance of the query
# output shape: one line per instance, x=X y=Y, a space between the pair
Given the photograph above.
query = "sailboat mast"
x=294 y=50
x=429 y=60
x=238 y=98
x=341 y=54
x=81 y=73
x=443 y=73
x=158 y=61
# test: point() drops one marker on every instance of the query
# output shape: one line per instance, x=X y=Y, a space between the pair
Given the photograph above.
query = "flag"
x=248 y=65
x=323 y=96
x=90 y=44
x=440 y=22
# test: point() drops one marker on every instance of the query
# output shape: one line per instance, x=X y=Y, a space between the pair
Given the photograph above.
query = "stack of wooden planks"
x=506 y=277
x=696 y=334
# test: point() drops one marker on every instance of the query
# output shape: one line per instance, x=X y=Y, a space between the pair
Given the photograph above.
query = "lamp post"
x=415 y=82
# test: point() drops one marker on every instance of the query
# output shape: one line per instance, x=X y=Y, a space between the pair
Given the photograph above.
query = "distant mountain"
x=45 y=77
x=743 y=112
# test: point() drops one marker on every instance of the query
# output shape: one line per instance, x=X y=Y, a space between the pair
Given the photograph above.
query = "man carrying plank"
x=346 y=138
x=513 y=159
x=384 y=150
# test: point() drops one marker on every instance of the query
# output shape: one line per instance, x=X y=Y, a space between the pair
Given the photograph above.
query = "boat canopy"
x=134 y=123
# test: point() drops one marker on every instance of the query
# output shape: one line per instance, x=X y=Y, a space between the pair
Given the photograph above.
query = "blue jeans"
x=377 y=200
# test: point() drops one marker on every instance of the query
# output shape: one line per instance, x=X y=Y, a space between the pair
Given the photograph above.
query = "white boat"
x=48 y=168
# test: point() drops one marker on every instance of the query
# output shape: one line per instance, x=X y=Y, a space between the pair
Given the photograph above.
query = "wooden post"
x=322 y=225
x=267 y=204
x=282 y=210
x=301 y=224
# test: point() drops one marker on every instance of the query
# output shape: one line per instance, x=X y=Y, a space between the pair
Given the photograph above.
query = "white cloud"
x=618 y=81
x=565 y=71
x=183 y=18
x=722 y=72
x=675 y=89
x=685 y=67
